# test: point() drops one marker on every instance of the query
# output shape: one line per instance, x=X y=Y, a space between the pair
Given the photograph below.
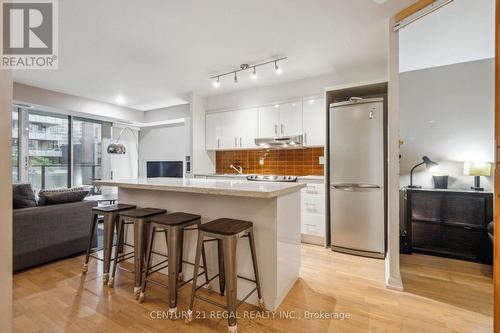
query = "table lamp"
x=429 y=164
x=477 y=170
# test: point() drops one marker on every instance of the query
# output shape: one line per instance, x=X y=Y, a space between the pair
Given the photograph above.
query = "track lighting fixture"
x=254 y=74
x=216 y=83
x=244 y=67
x=277 y=68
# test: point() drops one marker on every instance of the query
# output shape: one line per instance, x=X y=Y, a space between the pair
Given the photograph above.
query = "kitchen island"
x=274 y=208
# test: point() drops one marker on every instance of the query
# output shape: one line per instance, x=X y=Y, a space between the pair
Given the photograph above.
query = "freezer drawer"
x=357 y=219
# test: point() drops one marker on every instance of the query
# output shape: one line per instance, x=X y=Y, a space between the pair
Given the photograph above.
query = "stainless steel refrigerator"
x=357 y=205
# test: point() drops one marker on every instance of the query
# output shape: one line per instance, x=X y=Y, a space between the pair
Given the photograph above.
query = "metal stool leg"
x=93 y=225
x=205 y=267
x=139 y=245
x=174 y=234
x=151 y=238
x=180 y=276
x=222 y=274
x=119 y=227
x=109 y=227
x=251 y=240
x=230 y=265
x=119 y=241
x=199 y=246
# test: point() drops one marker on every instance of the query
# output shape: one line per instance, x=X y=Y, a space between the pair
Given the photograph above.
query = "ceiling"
x=154 y=53
x=459 y=32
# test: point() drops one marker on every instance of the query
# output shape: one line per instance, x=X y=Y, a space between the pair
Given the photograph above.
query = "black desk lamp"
x=428 y=164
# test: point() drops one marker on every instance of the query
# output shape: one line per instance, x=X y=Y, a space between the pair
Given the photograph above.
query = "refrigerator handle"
x=347 y=186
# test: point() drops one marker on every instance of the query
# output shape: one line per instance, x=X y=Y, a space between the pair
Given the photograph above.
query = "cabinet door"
x=313 y=124
x=268 y=121
x=219 y=131
x=246 y=127
x=290 y=119
x=213 y=131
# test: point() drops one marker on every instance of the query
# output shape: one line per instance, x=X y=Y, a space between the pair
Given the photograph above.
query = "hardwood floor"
x=442 y=295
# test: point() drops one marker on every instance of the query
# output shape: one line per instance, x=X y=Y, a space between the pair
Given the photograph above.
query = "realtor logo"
x=29 y=34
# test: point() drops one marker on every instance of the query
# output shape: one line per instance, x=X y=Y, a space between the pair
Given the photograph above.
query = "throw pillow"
x=23 y=196
x=61 y=196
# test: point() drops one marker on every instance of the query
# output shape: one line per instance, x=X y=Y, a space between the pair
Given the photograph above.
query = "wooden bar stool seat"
x=226 y=226
x=139 y=218
x=111 y=216
x=173 y=226
x=227 y=232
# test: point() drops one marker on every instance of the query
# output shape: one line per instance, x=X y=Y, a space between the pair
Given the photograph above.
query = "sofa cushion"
x=61 y=196
x=23 y=196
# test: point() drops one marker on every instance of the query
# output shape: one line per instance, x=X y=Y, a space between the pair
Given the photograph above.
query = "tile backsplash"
x=298 y=162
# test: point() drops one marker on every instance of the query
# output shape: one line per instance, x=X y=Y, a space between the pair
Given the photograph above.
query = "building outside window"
x=15 y=145
x=61 y=151
x=87 y=138
x=48 y=150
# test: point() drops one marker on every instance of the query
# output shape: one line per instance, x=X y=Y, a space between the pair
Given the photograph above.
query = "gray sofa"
x=46 y=233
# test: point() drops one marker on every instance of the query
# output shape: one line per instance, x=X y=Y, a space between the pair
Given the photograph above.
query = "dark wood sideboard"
x=447 y=223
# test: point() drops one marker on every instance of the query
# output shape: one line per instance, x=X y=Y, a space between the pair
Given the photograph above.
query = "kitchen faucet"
x=238 y=168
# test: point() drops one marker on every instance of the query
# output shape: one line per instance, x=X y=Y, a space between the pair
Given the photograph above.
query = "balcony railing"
x=56 y=176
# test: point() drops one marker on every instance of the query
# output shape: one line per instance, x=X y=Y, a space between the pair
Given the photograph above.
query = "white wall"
x=202 y=161
x=461 y=31
x=6 y=202
x=165 y=143
x=313 y=86
x=447 y=113
x=71 y=104
x=169 y=113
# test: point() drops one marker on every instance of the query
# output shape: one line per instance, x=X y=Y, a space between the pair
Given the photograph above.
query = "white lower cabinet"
x=313 y=213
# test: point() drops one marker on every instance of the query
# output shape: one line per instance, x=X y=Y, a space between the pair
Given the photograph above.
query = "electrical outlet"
x=261 y=161
x=322 y=160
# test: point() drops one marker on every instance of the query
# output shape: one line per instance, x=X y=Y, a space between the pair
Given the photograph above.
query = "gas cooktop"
x=272 y=178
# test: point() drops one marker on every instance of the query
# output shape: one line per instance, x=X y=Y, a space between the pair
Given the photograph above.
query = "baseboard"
x=312 y=239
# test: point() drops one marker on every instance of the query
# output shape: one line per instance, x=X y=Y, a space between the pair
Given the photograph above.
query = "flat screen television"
x=164 y=169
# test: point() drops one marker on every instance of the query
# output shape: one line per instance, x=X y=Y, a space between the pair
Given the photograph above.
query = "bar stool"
x=111 y=215
x=140 y=218
x=228 y=231
x=173 y=226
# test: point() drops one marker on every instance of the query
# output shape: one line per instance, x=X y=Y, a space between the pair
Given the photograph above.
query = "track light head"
x=254 y=74
x=277 y=68
x=216 y=83
x=235 y=77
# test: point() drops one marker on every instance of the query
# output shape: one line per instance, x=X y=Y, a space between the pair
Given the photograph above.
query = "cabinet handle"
x=240 y=142
x=218 y=143
x=305 y=138
x=235 y=142
x=282 y=129
x=276 y=129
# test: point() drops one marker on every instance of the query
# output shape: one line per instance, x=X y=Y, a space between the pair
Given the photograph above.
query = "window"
x=61 y=151
x=48 y=150
x=15 y=145
x=87 y=137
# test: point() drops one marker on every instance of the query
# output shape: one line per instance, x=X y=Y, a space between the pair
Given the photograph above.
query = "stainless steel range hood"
x=282 y=142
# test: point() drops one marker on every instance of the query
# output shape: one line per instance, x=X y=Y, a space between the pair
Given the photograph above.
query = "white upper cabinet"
x=313 y=122
x=290 y=119
x=239 y=129
x=231 y=130
x=246 y=127
x=280 y=120
x=269 y=118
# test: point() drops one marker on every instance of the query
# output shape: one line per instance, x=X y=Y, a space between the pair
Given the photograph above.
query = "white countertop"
x=242 y=188
x=244 y=176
